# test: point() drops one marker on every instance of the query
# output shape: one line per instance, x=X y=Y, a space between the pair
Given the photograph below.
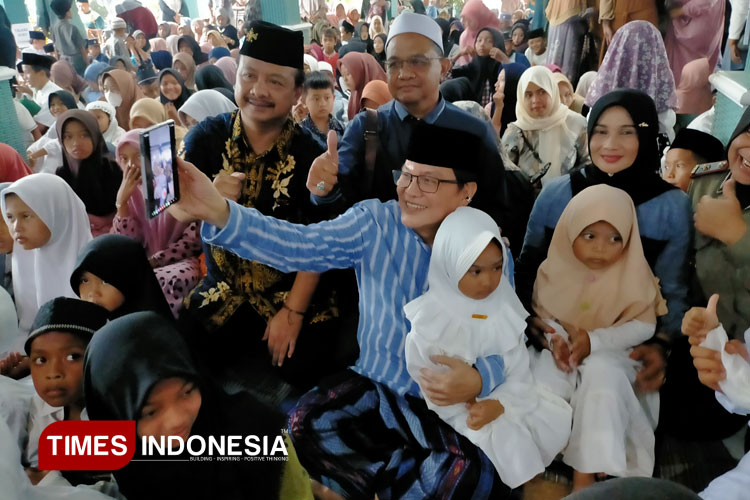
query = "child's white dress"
x=535 y=425
x=613 y=424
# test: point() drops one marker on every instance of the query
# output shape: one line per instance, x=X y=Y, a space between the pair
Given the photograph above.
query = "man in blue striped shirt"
x=368 y=430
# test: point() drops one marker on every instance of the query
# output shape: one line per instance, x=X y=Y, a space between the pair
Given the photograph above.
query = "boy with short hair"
x=59 y=335
x=95 y=51
x=319 y=99
x=68 y=40
x=536 y=53
x=330 y=55
x=689 y=149
x=37 y=43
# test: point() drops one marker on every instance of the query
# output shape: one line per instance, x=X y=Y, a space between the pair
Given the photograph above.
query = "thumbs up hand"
x=230 y=185
x=721 y=218
x=698 y=321
x=323 y=175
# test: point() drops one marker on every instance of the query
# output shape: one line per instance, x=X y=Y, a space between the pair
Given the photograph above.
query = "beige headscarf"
x=214 y=38
x=578 y=101
x=554 y=135
x=187 y=61
x=153 y=111
x=567 y=290
x=129 y=91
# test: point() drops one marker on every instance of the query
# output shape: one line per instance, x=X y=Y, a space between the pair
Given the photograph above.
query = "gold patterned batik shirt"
x=274 y=185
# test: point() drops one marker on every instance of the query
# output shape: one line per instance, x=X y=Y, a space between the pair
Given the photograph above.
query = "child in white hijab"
x=50 y=226
x=106 y=118
x=471 y=311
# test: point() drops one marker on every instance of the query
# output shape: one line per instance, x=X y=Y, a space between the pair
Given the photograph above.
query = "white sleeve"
x=621 y=337
x=24 y=117
x=738 y=18
x=732 y=485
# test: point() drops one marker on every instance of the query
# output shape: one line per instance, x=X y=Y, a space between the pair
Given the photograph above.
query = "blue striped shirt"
x=391 y=263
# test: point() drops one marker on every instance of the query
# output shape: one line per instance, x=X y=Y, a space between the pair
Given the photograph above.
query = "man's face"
x=264 y=91
x=37 y=44
x=418 y=79
x=35 y=78
x=345 y=35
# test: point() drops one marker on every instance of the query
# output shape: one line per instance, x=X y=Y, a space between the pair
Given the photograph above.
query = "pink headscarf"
x=480 y=15
x=364 y=69
x=316 y=51
x=158 y=44
x=228 y=66
x=694 y=93
x=206 y=47
x=63 y=74
x=12 y=166
x=162 y=230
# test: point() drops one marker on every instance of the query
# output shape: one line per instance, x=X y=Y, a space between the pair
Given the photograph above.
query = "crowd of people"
x=453 y=252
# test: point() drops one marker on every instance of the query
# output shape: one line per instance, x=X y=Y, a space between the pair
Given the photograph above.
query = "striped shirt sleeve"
x=333 y=244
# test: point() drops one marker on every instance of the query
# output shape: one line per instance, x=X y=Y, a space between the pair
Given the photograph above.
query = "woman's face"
x=141 y=122
x=614 y=141
x=170 y=87
x=364 y=34
x=739 y=158
x=76 y=140
x=500 y=83
x=187 y=121
x=140 y=41
x=171 y=409
x=537 y=101
x=56 y=106
x=378 y=45
x=484 y=44
x=119 y=64
x=181 y=69
x=348 y=78
x=102 y=119
x=185 y=48
x=566 y=94
x=92 y=288
x=109 y=84
x=518 y=37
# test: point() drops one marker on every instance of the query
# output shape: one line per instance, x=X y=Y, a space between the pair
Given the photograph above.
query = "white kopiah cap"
x=408 y=22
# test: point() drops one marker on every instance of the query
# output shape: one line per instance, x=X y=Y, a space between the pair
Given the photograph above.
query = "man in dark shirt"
x=415 y=65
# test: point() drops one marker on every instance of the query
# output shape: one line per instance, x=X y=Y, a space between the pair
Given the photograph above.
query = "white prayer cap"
x=117 y=23
x=408 y=22
x=324 y=66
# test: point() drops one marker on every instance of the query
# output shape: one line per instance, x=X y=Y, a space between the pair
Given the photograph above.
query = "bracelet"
x=292 y=310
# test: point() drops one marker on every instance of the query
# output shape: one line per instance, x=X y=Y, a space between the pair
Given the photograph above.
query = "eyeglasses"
x=425 y=183
x=414 y=63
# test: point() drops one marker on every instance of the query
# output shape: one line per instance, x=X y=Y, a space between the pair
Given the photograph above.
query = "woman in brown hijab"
x=121 y=91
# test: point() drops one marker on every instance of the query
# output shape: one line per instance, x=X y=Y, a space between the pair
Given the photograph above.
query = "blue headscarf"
x=161 y=59
x=218 y=53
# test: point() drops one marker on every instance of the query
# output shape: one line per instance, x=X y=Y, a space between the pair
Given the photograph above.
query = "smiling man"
x=415 y=64
x=259 y=158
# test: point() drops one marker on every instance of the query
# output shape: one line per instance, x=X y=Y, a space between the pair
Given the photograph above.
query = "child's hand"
x=580 y=346
x=483 y=412
x=561 y=353
x=15 y=365
x=652 y=375
x=698 y=321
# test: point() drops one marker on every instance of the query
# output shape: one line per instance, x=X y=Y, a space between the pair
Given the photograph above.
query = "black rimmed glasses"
x=425 y=183
x=414 y=63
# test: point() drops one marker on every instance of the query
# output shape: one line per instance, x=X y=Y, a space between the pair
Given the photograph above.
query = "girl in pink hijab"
x=228 y=66
x=173 y=247
x=694 y=92
x=475 y=16
x=357 y=70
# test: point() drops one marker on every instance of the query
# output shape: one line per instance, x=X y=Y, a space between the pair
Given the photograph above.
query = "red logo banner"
x=87 y=445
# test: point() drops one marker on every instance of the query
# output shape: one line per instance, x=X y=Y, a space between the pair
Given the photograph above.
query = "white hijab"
x=42 y=274
x=114 y=132
x=311 y=62
x=554 y=135
x=499 y=318
x=206 y=103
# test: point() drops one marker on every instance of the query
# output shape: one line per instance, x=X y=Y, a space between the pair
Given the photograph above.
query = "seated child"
x=113 y=271
x=88 y=168
x=597 y=291
x=471 y=311
x=59 y=336
x=172 y=247
x=690 y=148
x=45 y=154
x=139 y=368
x=49 y=225
x=536 y=53
x=106 y=118
x=319 y=99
